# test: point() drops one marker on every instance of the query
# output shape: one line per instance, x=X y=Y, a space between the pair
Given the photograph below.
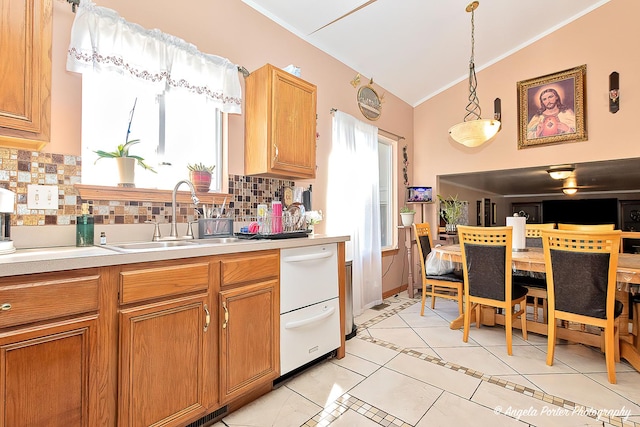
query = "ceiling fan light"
x=569 y=190
x=474 y=133
x=560 y=172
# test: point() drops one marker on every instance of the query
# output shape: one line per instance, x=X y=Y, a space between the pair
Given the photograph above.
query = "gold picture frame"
x=551 y=108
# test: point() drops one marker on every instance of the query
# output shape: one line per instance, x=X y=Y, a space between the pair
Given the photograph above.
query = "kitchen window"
x=175 y=128
x=176 y=90
x=387 y=155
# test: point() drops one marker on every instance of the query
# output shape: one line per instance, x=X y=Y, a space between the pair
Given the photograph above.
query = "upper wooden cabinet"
x=25 y=73
x=280 y=125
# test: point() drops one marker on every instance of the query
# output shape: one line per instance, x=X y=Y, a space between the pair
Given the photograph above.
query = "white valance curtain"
x=101 y=40
x=353 y=204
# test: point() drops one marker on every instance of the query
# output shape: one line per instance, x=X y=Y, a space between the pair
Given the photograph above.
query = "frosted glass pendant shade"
x=475 y=132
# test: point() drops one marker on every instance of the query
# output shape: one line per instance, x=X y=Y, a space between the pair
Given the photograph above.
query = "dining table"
x=531 y=262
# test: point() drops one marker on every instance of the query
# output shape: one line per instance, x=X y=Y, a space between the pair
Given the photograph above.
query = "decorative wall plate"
x=369 y=103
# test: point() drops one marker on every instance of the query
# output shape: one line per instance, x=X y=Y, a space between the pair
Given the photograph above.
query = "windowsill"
x=389 y=252
x=97 y=192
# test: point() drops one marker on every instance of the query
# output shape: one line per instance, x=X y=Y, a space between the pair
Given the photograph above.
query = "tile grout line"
x=547 y=398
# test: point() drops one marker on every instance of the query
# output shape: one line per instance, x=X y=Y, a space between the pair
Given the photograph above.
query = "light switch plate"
x=42 y=196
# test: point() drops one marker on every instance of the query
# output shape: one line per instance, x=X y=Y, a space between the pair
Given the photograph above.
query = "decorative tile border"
x=346 y=402
x=536 y=394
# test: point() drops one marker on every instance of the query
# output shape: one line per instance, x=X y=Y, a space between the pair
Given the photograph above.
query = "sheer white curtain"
x=353 y=206
x=101 y=40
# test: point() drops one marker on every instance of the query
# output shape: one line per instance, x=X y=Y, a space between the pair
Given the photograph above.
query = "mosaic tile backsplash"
x=19 y=168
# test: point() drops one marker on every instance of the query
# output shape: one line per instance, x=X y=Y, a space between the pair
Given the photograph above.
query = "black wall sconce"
x=497 y=109
x=614 y=92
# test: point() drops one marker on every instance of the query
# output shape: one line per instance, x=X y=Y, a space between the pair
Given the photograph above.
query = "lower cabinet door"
x=162 y=362
x=46 y=376
x=249 y=345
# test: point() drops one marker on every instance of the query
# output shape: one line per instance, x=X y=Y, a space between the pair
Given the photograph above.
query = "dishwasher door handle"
x=308 y=257
x=309 y=320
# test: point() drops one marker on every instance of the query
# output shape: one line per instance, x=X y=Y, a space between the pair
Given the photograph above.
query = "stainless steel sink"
x=150 y=246
x=167 y=244
x=218 y=240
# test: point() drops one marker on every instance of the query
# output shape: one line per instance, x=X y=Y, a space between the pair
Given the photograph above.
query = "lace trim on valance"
x=103 y=41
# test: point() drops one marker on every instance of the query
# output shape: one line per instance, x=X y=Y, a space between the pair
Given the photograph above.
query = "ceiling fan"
x=362 y=6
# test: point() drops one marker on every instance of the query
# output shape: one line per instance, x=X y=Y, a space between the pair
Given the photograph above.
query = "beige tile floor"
x=406 y=370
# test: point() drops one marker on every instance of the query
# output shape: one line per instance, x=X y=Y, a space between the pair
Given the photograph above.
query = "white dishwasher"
x=309 y=307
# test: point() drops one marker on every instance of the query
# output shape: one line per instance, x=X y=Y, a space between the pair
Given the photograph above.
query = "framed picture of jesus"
x=551 y=108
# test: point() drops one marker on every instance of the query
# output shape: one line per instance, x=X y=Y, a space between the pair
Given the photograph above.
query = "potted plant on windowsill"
x=451 y=210
x=200 y=176
x=407 y=215
x=126 y=162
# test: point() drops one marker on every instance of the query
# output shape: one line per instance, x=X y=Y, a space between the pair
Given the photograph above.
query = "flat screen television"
x=581 y=211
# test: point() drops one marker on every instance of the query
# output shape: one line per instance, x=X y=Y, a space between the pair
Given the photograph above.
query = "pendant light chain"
x=473 y=107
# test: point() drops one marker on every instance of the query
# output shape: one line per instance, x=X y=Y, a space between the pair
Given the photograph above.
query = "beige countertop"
x=41 y=260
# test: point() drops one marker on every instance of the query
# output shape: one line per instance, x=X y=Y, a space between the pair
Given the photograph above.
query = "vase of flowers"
x=451 y=210
x=312 y=218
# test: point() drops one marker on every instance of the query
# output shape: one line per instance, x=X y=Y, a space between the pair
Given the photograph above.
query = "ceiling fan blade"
x=362 y=6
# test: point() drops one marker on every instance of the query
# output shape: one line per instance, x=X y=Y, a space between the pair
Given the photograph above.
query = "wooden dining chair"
x=581 y=271
x=533 y=234
x=536 y=284
x=487 y=269
x=586 y=227
x=434 y=286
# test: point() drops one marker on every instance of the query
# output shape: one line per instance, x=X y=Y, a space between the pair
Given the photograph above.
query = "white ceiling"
x=418 y=48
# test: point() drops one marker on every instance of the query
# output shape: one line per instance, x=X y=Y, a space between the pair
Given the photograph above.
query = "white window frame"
x=392 y=197
x=110 y=138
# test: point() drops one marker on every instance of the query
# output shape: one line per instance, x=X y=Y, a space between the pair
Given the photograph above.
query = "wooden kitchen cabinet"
x=48 y=349
x=249 y=323
x=280 y=125
x=167 y=352
x=25 y=43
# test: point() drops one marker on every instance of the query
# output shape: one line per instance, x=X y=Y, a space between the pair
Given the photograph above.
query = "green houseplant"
x=126 y=162
x=451 y=210
x=200 y=176
x=407 y=214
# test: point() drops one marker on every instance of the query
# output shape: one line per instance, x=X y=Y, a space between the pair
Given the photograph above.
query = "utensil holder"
x=215 y=227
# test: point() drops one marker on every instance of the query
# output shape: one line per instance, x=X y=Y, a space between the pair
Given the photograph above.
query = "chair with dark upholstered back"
x=581 y=284
x=487 y=268
x=435 y=285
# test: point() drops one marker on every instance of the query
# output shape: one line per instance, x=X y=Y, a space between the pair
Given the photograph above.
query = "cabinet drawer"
x=48 y=298
x=150 y=283
x=248 y=268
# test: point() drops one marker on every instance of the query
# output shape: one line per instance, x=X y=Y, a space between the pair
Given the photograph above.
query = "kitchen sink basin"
x=151 y=246
x=168 y=244
x=217 y=240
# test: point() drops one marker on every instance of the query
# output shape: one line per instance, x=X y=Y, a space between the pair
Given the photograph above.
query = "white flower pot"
x=126 y=168
x=407 y=218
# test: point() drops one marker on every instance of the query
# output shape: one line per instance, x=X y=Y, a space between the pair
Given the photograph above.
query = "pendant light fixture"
x=474 y=131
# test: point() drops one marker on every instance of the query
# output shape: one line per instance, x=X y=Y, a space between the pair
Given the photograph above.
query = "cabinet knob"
x=5 y=307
